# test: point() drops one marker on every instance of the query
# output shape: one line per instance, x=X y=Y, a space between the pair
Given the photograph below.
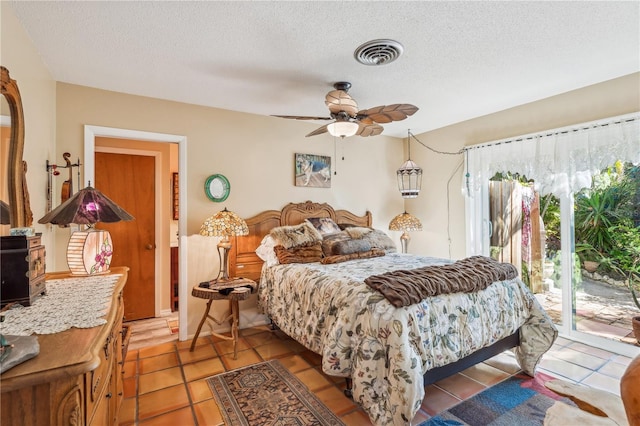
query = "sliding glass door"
x=555 y=256
x=553 y=203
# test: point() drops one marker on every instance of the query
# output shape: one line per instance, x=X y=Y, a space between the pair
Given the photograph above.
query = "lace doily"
x=79 y=302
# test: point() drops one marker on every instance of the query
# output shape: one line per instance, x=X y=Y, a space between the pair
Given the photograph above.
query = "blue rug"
x=520 y=400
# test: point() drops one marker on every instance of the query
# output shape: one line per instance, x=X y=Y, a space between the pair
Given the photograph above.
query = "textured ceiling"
x=461 y=59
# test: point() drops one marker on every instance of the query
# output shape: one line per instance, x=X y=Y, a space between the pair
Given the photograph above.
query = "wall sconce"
x=405 y=222
x=89 y=251
x=224 y=224
x=409 y=175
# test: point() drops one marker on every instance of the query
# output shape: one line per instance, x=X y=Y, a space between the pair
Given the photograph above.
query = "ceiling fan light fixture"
x=342 y=129
x=378 y=52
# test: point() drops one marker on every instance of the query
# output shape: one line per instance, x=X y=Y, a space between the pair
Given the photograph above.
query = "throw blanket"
x=407 y=287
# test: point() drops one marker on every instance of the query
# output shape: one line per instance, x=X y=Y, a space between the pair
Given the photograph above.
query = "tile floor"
x=165 y=384
x=607 y=314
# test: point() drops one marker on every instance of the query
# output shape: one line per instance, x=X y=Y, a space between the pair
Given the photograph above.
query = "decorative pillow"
x=351 y=246
x=297 y=235
x=378 y=239
x=344 y=257
x=307 y=253
x=329 y=242
x=357 y=231
x=342 y=243
x=324 y=225
x=265 y=251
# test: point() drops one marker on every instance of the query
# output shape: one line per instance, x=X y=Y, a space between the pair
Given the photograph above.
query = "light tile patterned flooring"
x=164 y=384
x=605 y=313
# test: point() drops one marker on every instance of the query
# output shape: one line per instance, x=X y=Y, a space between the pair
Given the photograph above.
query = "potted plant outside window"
x=590 y=257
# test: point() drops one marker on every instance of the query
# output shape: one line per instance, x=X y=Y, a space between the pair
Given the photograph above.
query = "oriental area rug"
x=519 y=400
x=268 y=394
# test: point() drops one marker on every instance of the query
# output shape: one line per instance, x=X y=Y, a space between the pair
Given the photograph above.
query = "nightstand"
x=234 y=290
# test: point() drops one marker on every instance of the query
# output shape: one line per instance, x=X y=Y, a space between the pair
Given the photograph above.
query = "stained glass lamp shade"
x=405 y=222
x=224 y=224
x=89 y=251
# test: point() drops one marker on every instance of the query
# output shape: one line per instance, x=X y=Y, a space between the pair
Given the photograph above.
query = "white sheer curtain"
x=560 y=161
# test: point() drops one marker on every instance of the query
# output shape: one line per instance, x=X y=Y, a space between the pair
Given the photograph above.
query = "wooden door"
x=129 y=180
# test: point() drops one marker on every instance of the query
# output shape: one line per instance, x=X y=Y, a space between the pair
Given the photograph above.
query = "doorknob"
x=149 y=247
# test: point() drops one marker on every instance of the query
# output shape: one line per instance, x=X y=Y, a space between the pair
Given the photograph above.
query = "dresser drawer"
x=97 y=381
x=37 y=262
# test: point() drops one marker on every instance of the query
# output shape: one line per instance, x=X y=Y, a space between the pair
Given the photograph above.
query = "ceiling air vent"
x=378 y=52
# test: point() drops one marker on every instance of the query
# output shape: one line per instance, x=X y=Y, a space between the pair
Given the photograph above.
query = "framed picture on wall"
x=312 y=170
x=175 y=196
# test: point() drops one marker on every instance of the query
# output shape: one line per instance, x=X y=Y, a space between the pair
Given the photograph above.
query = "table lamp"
x=224 y=224
x=89 y=251
x=405 y=222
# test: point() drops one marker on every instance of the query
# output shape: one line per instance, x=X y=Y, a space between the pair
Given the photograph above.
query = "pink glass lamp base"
x=89 y=252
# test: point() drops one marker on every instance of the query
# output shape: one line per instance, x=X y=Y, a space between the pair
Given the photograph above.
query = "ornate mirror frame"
x=19 y=208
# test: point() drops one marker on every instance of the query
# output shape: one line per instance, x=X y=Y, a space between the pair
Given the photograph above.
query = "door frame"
x=90 y=134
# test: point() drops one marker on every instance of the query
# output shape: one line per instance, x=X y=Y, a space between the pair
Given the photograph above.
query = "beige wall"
x=606 y=99
x=255 y=153
x=38 y=92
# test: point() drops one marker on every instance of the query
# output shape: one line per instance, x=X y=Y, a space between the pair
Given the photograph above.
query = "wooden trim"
x=18 y=201
x=175 y=193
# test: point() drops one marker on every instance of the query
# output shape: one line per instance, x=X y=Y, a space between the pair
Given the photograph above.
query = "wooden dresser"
x=76 y=379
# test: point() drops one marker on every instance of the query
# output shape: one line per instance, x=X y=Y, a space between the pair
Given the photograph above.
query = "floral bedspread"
x=386 y=350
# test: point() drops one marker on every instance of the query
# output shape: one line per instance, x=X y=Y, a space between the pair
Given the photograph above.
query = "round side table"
x=235 y=293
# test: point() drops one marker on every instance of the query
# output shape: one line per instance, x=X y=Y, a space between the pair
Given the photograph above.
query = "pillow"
x=297 y=235
x=357 y=231
x=342 y=243
x=265 y=251
x=344 y=257
x=329 y=241
x=307 y=253
x=324 y=225
x=378 y=239
x=351 y=246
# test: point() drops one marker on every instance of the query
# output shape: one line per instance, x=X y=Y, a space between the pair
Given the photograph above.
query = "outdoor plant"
x=588 y=252
x=595 y=213
x=604 y=221
x=551 y=218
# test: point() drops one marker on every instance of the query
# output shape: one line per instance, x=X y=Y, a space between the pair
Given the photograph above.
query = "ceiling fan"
x=348 y=121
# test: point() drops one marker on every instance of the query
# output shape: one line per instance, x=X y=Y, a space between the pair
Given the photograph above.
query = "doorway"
x=90 y=135
x=129 y=180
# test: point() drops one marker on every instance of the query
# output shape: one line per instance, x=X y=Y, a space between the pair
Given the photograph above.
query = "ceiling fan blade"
x=340 y=101
x=318 y=131
x=365 y=129
x=388 y=113
x=302 y=117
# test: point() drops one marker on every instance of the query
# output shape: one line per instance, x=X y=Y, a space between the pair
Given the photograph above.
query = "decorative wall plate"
x=217 y=188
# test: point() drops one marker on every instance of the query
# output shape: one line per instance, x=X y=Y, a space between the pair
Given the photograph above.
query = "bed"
x=387 y=354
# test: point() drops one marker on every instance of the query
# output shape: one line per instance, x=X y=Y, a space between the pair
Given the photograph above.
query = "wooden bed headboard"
x=243 y=261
